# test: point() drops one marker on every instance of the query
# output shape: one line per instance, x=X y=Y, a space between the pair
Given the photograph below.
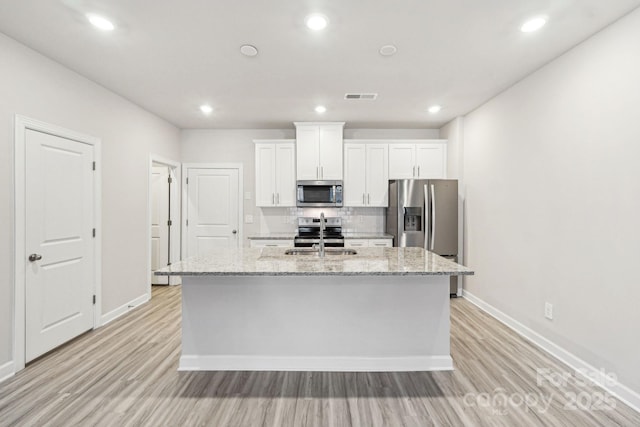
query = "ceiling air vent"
x=369 y=96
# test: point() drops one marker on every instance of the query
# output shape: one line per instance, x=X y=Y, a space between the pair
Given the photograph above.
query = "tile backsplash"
x=276 y=220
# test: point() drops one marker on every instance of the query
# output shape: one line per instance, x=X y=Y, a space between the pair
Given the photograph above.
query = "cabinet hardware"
x=418 y=171
x=368 y=198
x=414 y=171
x=273 y=198
x=363 y=202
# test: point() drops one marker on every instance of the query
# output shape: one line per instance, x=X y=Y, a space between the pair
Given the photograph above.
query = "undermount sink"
x=327 y=251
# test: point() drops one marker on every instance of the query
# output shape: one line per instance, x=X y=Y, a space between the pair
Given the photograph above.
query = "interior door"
x=59 y=241
x=159 y=222
x=212 y=210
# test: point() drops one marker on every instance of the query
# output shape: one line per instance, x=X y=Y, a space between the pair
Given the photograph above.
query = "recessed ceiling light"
x=100 y=22
x=388 y=50
x=316 y=21
x=321 y=109
x=248 y=50
x=434 y=109
x=533 y=24
x=206 y=109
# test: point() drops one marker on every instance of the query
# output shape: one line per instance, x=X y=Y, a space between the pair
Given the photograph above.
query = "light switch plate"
x=248 y=219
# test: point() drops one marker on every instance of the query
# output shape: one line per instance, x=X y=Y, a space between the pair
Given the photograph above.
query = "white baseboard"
x=622 y=392
x=7 y=370
x=123 y=309
x=316 y=364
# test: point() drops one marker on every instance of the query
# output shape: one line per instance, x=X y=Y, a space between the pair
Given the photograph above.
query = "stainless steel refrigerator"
x=424 y=213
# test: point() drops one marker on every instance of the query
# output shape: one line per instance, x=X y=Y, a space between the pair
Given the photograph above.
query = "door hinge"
x=93 y=232
x=93 y=166
x=169 y=223
x=187 y=223
x=170 y=180
x=187 y=180
x=94 y=299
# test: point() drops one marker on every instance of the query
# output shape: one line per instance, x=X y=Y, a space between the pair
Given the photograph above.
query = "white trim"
x=274 y=141
x=21 y=125
x=6 y=371
x=124 y=309
x=622 y=392
x=317 y=364
x=175 y=214
x=185 y=194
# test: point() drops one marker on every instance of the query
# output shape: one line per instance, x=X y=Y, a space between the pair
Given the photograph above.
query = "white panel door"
x=265 y=175
x=330 y=152
x=159 y=222
x=286 y=174
x=377 y=175
x=402 y=161
x=212 y=211
x=430 y=161
x=354 y=175
x=59 y=241
x=307 y=152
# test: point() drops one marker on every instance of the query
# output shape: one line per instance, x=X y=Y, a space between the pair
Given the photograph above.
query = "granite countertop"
x=366 y=235
x=273 y=262
x=285 y=235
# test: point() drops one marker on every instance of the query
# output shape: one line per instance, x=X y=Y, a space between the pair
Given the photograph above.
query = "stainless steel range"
x=309 y=230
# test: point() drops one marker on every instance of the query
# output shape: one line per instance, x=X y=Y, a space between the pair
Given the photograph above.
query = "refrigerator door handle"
x=425 y=219
x=433 y=216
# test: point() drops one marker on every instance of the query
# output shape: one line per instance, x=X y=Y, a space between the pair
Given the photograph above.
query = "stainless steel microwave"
x=319 y=194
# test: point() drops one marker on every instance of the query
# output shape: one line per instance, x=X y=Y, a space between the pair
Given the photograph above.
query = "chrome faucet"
x=322 y=227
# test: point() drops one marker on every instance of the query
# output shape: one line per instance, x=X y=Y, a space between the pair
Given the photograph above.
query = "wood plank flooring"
x=125 y=374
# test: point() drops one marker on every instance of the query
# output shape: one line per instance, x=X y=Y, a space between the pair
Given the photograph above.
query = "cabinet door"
x=330 y=152
x=307 y=152
x=377 y=176
x=265 y=174
x=285 y=175
x=430 y=161
x=402 y=161
x=354 y=175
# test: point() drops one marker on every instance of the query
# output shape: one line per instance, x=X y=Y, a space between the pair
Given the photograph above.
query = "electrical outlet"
x=248 y=219
x=548 y=310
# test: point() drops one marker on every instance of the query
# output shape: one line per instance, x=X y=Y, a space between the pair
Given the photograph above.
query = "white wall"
x=236 y=146
x=36 y=87
x=553 y=200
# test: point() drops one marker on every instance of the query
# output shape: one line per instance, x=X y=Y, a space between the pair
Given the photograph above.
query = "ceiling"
x=172 y=56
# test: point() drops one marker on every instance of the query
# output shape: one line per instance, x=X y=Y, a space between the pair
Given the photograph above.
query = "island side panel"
x=316 y=323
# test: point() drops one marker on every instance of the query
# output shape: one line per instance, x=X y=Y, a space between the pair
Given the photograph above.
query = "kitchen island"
x=382 y=309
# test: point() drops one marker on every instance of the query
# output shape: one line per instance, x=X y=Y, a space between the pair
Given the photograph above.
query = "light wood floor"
x=125 y=374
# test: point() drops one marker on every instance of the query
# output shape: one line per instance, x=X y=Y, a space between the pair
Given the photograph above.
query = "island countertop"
x=274 y=262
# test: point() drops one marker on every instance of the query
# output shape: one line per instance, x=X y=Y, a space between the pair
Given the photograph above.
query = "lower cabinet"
x=271 y=243
x=368 y=243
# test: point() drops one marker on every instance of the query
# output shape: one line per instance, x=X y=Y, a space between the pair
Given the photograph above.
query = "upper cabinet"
x=275 y=173
x=319 y=151
x=366 y=179
x=424 y=160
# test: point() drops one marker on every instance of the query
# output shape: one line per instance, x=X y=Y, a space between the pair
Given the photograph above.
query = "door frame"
x=22 y=124
x=185 y=194
x=174 y=213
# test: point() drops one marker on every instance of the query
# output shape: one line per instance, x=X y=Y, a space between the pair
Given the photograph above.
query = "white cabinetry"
x=424 y=159
x=271 y=243
x=368 y=243
x=275 y=173
x=366 y=179
x=319 y=151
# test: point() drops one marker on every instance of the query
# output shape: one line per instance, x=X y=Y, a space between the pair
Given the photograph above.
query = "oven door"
x=308 y=242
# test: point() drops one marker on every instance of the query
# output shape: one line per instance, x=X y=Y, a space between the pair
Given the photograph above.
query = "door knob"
x=234 y=231
x=35 y=257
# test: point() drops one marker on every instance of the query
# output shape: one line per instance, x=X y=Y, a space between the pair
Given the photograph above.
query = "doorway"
x=212 y=207
x=57 y=237
x=164 y=218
